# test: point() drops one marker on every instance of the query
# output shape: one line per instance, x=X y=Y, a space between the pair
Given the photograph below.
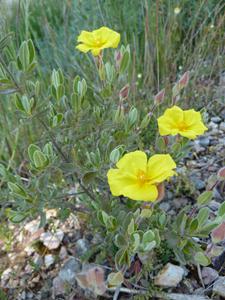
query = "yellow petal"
x=109 y=37
x=146 y=192
x=132 y=162
x=160 y=168
x=169 y=122
x=86 y=37
x=83 y=48
x=191 y=117
x=118 y=179
x=96 y=51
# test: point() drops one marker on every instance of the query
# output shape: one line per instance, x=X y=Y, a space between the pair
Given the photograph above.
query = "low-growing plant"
x=94 y=130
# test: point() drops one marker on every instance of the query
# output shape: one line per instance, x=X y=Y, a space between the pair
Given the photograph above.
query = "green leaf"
x=40 y=159
x=221 y=211
x=31 y=51
x=24 y=55
x=193 y=225
x=125 y=61
x=5 y=40
x=115 y=279
x=16 y=216
x=120 y=241
x=17 y=189
x=130 y=228
x=202 y=259
x=31 y=149
x=148 y=236
x=205 y=198
x=203 y=216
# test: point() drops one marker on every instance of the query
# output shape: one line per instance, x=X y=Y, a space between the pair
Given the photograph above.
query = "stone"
x=32 y=226
x=197 y=147
x=58 y=286
x=81 y=247
x=52 y=240
x=222 y=126
x=63 y=253
x=170 y=276
x=69 y=270
x=204 y=141
x=212 y=125
x=216 y=120
x=164 y=206
x=49 y=260
x=209 y=275
x=6 y=276
x=198 y=183
x=219 y=286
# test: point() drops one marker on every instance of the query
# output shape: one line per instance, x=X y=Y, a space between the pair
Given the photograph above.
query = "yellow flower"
x=137 y=178
x=187 y=123
x=97 y=40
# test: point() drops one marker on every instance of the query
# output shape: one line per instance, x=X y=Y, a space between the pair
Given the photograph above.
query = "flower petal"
x=118 y=179
x=160 y=168
x=146 y=192
x=169 y=122
x=86 y=37
x=109 y=37
x=132 y=162
x=83 y=48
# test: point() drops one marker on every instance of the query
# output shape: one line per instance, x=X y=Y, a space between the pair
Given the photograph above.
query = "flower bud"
x=158 y=99
x=124 y=92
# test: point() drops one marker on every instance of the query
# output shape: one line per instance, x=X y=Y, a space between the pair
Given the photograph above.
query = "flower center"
x=142 y=177
x=98 y=42
x=182 y=126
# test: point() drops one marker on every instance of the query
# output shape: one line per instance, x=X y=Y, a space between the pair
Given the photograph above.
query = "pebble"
x=63 y=253
x=52 y=240
x=222 y=126
x=212 y=125
x=209 y=275
x=69 y=270
x=170 y=276
x=219 y=286
x=49 y=260
x=199 y=184
x=204 y=141
x=58 y=286
x=216 y=120
x=81 y=247
x=164 y=206
x=32 y=226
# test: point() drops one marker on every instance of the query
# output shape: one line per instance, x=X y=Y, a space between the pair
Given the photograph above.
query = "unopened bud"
x=158 y=99
x=183 y=82
x=118 y=57
x=124 y=92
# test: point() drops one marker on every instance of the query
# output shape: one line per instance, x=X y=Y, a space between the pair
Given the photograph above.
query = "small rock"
x=52 y=240
x=69 y=270
x=63 y=253
x=222 y=126
x=6 y=276
x=197 y=147
x=213 y=205
x=49 y=260
x=204 y=141
x=216 y=120
x=219 y=287
x=82 y=247
x=170 y=276
x=212 y=125
x=199 y=184
x=164 y=206
x=58 y=286
x=209 y=275
x=32 y=226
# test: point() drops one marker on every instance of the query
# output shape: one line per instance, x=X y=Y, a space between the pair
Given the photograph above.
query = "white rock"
x=209 y=275
x=52 y=240
x=63 y=253
x=32 y=226
x=49 y=260
x=170 y=276
x=219 y=287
